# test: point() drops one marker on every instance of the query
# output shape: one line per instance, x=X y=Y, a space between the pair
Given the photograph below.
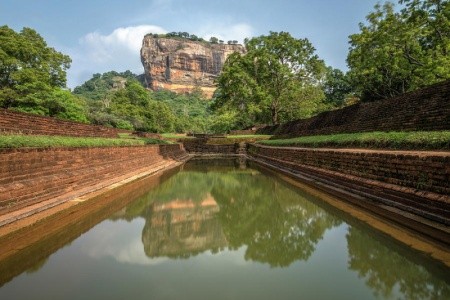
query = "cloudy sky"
x=105 y=35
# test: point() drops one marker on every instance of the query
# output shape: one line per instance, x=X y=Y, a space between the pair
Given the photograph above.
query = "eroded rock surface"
x=180 y=65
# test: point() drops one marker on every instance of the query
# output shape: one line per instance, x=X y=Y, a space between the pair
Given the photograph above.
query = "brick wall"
x=199 y=145
x=426 y=109
x=414 y=182
x=32 y=175
x=242 y=132
x=17 y=122
x=417 y=170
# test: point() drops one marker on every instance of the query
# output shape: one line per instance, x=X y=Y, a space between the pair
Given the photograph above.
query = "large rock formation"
x=180 y=65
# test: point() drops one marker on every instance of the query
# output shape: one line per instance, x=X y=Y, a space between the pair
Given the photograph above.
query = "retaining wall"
x=415 y=182
x=23 y=123
x=201 y=146
x=417 y=170
x=32 y=175
x=426 y=109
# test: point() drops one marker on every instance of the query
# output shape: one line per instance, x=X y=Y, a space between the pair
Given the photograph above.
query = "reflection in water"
x=385 y=270
x=195 y=211
x=182 y=228
x=204 y=221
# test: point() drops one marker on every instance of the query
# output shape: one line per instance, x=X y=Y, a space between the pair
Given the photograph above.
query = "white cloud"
x=118 y=51
x=102 y=48
x=120 y=240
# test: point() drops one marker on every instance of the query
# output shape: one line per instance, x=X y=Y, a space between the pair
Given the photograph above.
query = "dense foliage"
x=33 y=76
x=401 y=51
x=191 y=110
x=188 y=36
x=119 y=100
x=277 y=80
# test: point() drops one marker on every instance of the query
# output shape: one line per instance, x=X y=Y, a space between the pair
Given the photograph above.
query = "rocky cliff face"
x=180 y=65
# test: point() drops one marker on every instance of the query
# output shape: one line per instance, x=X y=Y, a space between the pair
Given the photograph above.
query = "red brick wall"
x=426 y=109
x=430 y=172
x=201 y=146
x=32 y=175
x=17 y=122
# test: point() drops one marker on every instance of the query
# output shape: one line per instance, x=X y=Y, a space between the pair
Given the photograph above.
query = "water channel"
x=220 y=229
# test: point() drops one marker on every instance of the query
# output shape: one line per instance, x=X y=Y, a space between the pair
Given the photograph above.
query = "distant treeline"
x=192 y=37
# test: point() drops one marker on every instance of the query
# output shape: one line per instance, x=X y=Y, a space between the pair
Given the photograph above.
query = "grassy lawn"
x=19 y=141
x=175 y=136
x=231 y=139
x=249 y=136
x=432 y=140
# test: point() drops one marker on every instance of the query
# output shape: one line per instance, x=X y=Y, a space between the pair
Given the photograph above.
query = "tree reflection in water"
x=195 y=211
x=385 y=270
x=276 y=223
x=201 y=209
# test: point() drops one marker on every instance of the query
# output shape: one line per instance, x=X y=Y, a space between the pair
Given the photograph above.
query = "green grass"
x=249 y=136
x=20 y=141
x=147 y=141
x=418 y=140
x=175 y=136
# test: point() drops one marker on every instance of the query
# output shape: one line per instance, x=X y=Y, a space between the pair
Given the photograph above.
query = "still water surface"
x=218 y=231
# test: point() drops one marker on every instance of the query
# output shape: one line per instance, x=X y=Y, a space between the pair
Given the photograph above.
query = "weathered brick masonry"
x=423 y=172
x=418 y=182
x=426 y=109
x=201 y=146
x=32 y=175
x=17 y=122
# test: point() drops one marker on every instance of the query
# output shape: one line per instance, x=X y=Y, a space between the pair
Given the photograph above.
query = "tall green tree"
x=337 y=88
x=30 y=71
x=134 y=106
x=396 y=52
x=272 y=83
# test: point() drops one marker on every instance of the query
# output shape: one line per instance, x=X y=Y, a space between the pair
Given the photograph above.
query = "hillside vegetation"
x=280 y=77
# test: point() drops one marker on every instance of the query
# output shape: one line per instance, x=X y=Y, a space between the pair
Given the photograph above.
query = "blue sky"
x=104 y=35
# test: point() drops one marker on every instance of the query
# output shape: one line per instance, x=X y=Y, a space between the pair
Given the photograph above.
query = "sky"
x=106 y=35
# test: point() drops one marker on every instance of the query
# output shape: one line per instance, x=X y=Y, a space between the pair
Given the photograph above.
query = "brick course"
x=32 y=175
x=427 y=109
x=199 y=145
x=23 y=123
x=430 y=172
x=414 y=182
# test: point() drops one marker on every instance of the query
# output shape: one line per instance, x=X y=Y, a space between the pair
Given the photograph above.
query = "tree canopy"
x=33 y=76
x=277 y=80
x=396 y=52
x=119 y=100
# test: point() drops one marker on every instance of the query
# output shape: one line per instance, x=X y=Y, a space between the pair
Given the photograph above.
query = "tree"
x=397 y=52
x=272 y=81
x=134 y=106
x=337 y=88
x=29 y=70
x=213 y=40
x=64 y=105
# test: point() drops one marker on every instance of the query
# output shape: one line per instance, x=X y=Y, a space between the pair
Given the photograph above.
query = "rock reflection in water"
x=198 y=210
x=182 y=228
x=218 y=206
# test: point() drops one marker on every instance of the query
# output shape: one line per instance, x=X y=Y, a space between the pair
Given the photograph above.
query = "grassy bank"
x=175 y=136
x=419 y=140
x=20 y=141
x=231 y=139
